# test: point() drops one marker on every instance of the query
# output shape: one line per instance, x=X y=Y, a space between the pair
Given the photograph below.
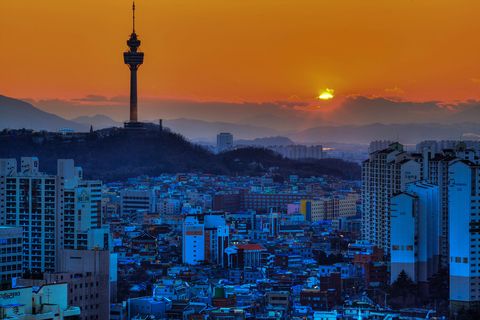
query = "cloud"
x=279 y=112
x=92 y=98
x=363 y=110
x=395 y=91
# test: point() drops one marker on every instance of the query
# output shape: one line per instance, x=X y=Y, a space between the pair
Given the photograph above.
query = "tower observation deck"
x=133 y=58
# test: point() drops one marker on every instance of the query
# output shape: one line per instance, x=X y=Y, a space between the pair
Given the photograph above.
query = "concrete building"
x=266 y=202
x=224 y=142
x=118 y=311
x=11 y=252
x=142 y=307
x=299 y=152
x=313 y=210
x=169 y=206
x=415 y=232
x=47 y=302
x=87 y=273
x=61 y=220
x=217 y=238
x=464 y=235
x=173 y=289
x=193 y=240
x=134 y=201
x=378 y=145
x=29 y=200
x=204 y=239
x=384 y=174
x=435 y=170
x=345 y=205
x=80 y=218
x=55 y=211
x=247 y=255
x=330 y=208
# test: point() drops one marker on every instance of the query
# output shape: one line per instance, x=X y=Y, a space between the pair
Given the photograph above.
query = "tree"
x=403 y=287
x=438 y=285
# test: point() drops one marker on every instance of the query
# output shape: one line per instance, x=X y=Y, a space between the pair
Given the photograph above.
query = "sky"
x=254 y=52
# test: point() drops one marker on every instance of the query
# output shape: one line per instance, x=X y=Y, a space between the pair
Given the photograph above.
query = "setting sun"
x=326 y=94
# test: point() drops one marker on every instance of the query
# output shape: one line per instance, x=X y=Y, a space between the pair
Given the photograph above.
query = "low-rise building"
x=47 y=302
x=11 y=251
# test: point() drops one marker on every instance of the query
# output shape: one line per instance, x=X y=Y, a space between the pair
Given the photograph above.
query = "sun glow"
x=326 y=94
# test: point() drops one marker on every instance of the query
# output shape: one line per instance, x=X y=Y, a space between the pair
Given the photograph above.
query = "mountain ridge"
x=18 y=114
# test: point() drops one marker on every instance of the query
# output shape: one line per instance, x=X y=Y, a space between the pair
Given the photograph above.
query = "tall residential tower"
x=385 y=173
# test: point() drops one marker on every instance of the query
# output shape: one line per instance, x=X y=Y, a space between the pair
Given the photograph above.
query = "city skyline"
x=272 y=160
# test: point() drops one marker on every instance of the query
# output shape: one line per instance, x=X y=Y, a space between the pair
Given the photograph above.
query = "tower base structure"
x=134 y=125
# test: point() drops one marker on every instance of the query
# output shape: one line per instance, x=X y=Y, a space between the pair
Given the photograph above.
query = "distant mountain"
x=405 y=133
x=113 y=154
x=287 y=121
x=265 y=142
x=98 y=121
x=17 y=114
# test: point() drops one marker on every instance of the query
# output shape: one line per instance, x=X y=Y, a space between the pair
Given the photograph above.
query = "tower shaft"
x=133 y=95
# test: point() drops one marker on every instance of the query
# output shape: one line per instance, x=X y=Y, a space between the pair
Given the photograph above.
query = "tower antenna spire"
x=133 y=16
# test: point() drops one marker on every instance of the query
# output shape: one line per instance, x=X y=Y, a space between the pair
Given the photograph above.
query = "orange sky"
x=243 y=50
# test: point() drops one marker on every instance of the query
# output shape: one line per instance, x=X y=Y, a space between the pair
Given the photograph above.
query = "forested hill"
x=120 y=154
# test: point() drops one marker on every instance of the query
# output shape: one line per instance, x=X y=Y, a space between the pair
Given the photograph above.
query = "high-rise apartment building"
x=224 y=141
x=435 y=170
x=378 y=145
x=384 y=174
x=80 y=219
x=464 y=234
x=28 y=199
x=415 y=232
x=61 y=211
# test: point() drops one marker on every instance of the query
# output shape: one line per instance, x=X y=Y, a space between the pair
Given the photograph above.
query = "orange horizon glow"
x=243 y=50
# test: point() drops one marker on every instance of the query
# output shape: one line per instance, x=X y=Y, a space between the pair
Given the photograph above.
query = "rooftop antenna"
x=133 y=16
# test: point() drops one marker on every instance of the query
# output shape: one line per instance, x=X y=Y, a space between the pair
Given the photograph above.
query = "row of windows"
x=459 y=259
x=11 y=250
x=13 y=267
x=402 y=248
